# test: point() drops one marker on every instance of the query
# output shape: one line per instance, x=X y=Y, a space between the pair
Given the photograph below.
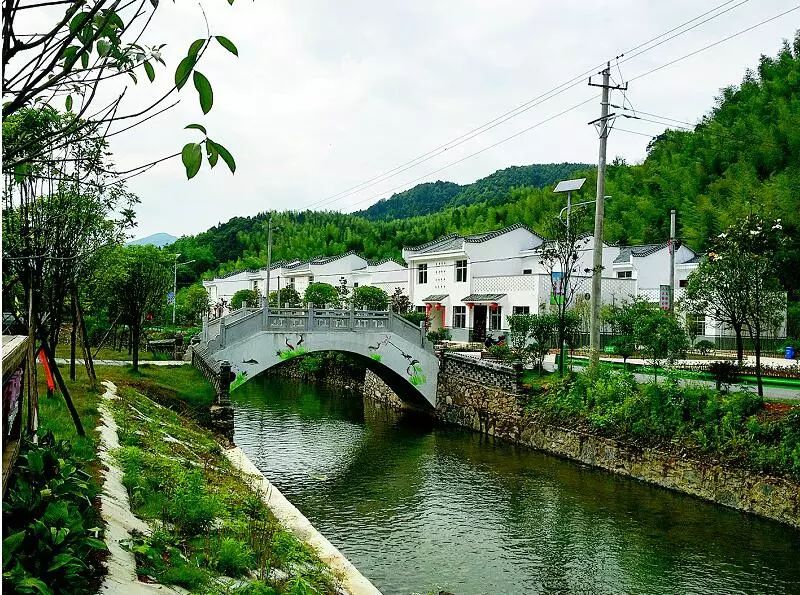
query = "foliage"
x=289 y=298
x=321 y=295
x=135 y=281
x=370 y=298
x=659 y=335
x=310 y=364
x=502 y=352
x=51 y=532
x=439 y=335
x=724 y=372
x=246 y=298
x=704 y=347
x=233 y=557
x=400 y=302
x=195 y=303
x=532 y=335
x=623 y=319
x=415 y=318
x=724 y=425
x=434 y=196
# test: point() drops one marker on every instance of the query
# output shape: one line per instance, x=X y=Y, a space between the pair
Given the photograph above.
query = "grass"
x=109 y=353
x=208 y=519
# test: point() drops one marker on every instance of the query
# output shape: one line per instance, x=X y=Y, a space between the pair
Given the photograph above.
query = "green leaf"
x=204 y=90
x=32 y=585
x=96 y=544
x=11 y=544
x=183 y=71
x=192 y=158
x=103 y=47
x=68 y=103
x=133 y=76
x=227 y=44
x=77 y=22
x=199 y=127
x=226 y=157
x=85 y=60
x=194 y=49
x=212 y=153
x=151 y=72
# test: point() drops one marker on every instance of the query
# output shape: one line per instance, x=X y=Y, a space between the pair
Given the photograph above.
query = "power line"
x=642 y=75
x=574 y=81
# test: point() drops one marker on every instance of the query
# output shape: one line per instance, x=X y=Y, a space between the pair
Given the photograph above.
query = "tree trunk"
x=737 y=329
x=87 y=350
x=135 y=330
x=73 y=341
x=759 y=380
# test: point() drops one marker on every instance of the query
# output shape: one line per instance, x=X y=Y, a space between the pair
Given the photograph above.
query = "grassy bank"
x=208 y=522
x=735 y=428
x=52 y=530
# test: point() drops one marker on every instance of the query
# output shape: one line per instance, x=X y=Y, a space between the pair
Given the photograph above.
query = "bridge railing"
x=232 y=329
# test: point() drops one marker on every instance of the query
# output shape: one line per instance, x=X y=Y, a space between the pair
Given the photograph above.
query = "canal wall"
x=486 y=397
x=332 y=372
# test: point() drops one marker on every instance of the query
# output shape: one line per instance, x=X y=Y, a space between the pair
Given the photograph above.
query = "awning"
x=436 y=298
x=484 y=297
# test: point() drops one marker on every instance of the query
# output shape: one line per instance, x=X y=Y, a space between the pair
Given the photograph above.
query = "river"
x=419 y=508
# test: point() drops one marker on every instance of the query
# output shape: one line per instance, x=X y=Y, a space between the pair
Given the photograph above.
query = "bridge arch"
x=257 y=340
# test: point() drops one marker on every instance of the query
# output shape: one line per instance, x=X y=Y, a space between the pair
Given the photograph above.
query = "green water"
x=419 y=508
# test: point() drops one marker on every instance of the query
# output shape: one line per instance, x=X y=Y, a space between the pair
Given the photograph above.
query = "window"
x=422 y=274
x=521 y=310
x=255 y=285
x=527 y=271
x=355 y=284
x=696 y=324
x=311 y=278
x=496 y=319
x=459 y=316
x=291 y=281
x=683 y=283
x=421 y=309
x=461 y=272
x=624 y=274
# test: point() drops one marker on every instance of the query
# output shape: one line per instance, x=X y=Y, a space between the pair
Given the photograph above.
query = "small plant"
x=310 y=364
x=376 y=356
x=233 y=558
x=287 y=354
x=190 y=507
x=439 y=335
x=725 y=372
x=502 y=352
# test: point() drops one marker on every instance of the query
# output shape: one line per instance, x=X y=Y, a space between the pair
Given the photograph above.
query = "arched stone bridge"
x=252 y=340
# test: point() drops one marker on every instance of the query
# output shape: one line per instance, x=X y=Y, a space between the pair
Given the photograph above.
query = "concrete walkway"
x=116 y=512
x=61 y=361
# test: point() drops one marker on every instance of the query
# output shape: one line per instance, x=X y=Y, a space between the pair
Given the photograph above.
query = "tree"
x=622 y=320
x=543 y=329
x=370 y=298
x=755 y=243
x=561 y=257
x=400 y=303
x=321 y=295
x=196 y=303
x=659 y=335
x=289 y=298
x=91 y=52
x=246 y=298
x=137 y=278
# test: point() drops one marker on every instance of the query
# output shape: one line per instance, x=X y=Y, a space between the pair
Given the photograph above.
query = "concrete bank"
x=293 y=520
x=484 y=397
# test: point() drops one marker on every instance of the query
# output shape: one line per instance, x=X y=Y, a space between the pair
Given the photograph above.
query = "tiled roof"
x=455 y=241
x=232 y=273
x=483 y=237
x=435 y=297
x=625 y=252
x=697 y=258
x=377 y=263
x=327 y=259
x=484 y=297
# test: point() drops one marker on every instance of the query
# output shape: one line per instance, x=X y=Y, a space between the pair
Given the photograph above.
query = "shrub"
x=704 y=347
x=248 y=298
x=415 y=317
x=371 y=298
x=51 y=532
x=310 y=364
x=724 y=372
x=233 y=557
x=502 y=352
x=439 y=335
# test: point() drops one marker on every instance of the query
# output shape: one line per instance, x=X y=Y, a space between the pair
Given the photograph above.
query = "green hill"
x=744 y=156
x=430 y=197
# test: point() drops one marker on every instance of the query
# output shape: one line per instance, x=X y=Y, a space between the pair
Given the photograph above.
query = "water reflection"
x=418 y=508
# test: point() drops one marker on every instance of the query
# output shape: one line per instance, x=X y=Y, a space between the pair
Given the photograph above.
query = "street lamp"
x=270 y=229
x=175 y=284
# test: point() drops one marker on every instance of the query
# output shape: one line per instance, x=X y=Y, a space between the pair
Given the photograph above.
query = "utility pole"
x=672 y=260
x=597 y=255
x=175 y=288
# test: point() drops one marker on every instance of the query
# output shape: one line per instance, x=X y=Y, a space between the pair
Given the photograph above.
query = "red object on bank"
x=48 y=374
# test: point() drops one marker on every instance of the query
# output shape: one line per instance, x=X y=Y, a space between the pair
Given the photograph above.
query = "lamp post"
x=568 y=186
x=175 y=284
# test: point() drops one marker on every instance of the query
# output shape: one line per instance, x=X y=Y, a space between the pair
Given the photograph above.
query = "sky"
x=328 y=95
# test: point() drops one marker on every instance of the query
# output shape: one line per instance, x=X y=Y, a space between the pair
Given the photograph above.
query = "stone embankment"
x=476 y=395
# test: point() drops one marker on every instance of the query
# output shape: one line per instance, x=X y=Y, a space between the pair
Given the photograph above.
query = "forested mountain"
x=743 y=156
x=431 y=197
x=157 y=239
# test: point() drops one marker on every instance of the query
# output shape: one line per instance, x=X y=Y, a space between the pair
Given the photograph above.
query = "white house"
x=387 y=274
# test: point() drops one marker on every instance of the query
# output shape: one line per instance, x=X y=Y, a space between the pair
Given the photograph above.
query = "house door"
x=479 y=323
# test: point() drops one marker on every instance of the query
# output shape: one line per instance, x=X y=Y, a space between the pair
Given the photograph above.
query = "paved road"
x=770 y=392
